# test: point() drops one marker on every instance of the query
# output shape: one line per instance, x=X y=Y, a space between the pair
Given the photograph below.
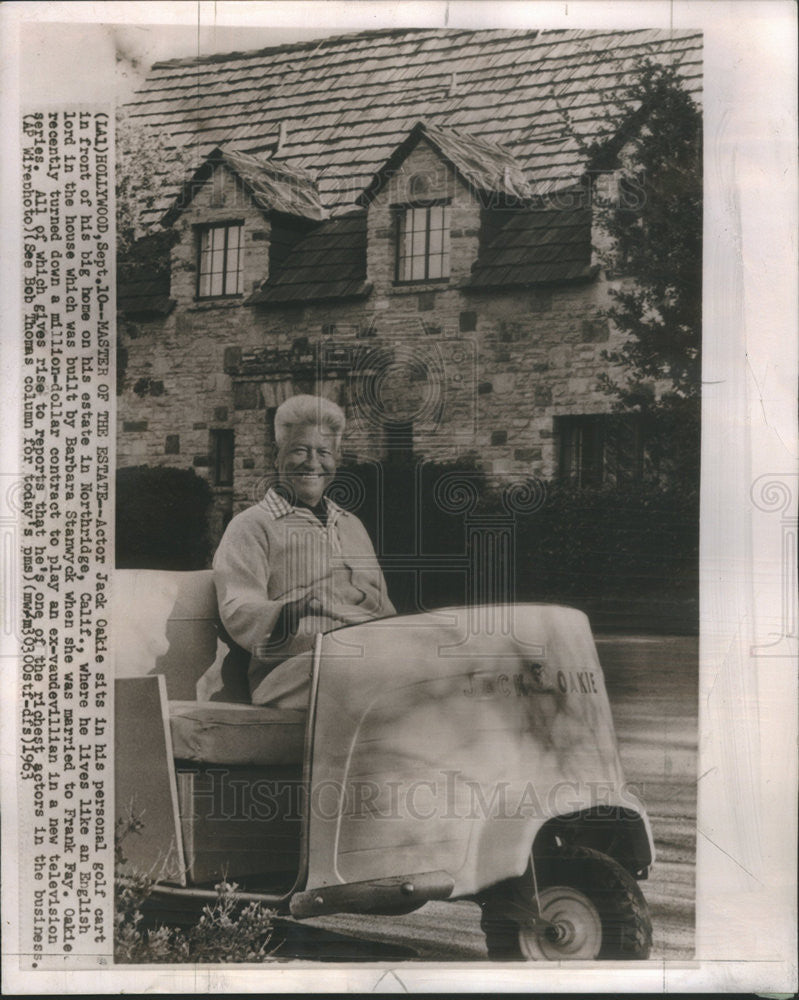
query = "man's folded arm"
x=241 y=577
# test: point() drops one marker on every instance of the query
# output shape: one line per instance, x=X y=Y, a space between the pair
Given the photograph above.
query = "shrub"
x=161 y=519
x=590 y=544
x=226 y=931
x=633 y=549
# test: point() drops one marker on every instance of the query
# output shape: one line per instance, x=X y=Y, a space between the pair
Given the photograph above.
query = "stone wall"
x=484 y=372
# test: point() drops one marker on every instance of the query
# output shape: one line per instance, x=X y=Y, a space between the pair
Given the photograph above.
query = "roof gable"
x=272 y=185
x=485 y=167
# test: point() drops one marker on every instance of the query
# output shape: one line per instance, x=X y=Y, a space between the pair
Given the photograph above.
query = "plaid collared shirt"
x=279 y=506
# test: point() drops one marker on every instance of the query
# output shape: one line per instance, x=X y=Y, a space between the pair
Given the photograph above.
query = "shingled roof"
x=534 y=246
x=338 y=108
x=146 y=298
x=328 y=263
x=485 y=167
x=273 y=186
x=519 y=248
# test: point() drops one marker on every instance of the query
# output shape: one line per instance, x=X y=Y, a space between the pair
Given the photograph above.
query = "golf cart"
x=463 y=753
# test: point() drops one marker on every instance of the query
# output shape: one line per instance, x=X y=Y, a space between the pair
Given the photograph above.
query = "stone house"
x=401 y=220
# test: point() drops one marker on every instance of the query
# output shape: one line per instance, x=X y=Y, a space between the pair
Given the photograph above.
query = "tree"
x=148 y=163
x=654 y=227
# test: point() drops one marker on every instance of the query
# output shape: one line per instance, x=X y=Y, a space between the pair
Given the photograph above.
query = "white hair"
x=304 y=411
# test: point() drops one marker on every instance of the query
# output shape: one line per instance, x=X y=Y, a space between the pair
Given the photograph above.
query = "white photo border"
x=746 y=860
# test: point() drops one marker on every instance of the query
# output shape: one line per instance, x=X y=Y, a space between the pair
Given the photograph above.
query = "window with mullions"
x=423 y=243
x=600 y=449
x=220 y=264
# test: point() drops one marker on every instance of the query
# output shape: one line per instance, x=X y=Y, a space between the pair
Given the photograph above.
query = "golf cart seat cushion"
x=166 y=622
x=220 y=733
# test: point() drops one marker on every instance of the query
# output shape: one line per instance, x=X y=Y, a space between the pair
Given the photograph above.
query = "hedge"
x=622 y=554
x=628 y=556
x=162 y=519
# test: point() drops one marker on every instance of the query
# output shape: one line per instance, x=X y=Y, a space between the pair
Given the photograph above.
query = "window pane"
x=217 y=274
x=436 y=241
x=419 y=218
x=401 y=226
x=407 y=245
x=423 y=243
x=220 y=261
x=417 y=269
x=205 y=263
x=419 y=241
x=445 y=243
x=232 y=261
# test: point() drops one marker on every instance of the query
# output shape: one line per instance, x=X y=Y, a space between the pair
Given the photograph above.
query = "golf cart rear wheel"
x=593 y=906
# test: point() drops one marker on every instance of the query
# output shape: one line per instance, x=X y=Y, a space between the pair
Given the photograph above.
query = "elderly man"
x=296 y=564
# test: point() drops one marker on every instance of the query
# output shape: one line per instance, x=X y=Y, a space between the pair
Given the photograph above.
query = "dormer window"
x=219 y=270
x=422 y=242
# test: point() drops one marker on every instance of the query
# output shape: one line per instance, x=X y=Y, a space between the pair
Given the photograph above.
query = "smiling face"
x=306 y=463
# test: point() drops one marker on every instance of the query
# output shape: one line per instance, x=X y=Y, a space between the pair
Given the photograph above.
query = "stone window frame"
x=592 y=450
x=223 y=449
x=399 y=215
x=201 y=232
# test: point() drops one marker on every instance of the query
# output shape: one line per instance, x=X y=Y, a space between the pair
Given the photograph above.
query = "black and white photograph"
x=379 y=355
x=399 y=541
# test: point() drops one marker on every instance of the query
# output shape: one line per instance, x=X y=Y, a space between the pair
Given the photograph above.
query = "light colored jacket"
x=274 y=553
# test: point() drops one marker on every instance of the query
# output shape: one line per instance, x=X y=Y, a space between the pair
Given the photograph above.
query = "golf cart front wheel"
x=591 y=908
